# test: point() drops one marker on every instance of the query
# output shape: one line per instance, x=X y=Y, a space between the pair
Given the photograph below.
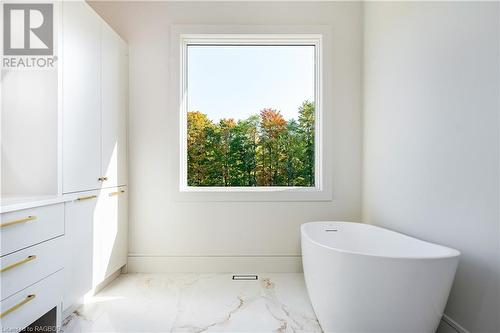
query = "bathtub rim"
x=454 y=253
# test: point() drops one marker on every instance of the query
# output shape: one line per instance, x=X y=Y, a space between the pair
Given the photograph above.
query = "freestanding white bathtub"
x=362 y=278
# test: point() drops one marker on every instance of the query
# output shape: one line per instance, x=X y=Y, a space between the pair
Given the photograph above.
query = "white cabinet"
x=95 y=95
x=81 y=122
x=26 y=227
x=114 y=88
x=95 y=90
x=110 y=233
x=22 y=308
x=79 y=249
x=96 y=240
x=31 y=263
x=81 y=62
x=25 y=267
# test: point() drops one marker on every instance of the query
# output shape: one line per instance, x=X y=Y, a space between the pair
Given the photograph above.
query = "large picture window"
x=251 y=112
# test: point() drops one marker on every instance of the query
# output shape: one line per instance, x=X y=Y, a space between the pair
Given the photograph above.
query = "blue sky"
x=238 y=81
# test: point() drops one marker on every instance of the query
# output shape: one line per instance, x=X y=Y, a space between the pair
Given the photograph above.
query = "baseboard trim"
x=107 y=281
x=214 y=264
x=453 y=324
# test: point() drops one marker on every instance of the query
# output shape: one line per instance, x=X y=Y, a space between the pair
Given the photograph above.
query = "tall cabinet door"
x=110 y=233
x=114 y=108
x=79 y=250
x=81 y=97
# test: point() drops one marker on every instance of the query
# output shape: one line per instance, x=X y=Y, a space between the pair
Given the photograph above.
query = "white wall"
x=29 y=157
x=431 y=139
x=162 y=227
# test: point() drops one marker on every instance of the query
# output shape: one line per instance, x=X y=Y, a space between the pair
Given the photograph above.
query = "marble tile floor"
x=197 y=303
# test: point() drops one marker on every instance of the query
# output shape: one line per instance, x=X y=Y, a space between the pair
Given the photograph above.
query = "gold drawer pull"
x=87 y=197
x=29 y=298
x=116 y=193
x=19 y=263
x=26 y=219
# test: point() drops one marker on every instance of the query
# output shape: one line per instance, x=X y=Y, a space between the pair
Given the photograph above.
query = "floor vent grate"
x=244 y=277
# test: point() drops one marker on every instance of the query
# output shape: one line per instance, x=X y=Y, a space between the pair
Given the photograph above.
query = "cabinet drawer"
x=27 y=227
x=23 y=268
x=24 y=307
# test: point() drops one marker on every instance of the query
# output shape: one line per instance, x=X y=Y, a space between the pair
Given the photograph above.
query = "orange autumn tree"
x=197 y=124
x=272 y=125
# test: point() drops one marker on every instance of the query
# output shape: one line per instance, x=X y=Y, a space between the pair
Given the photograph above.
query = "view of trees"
x=262 y=150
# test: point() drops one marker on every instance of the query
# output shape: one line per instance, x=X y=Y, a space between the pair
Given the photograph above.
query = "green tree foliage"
x=262 y=150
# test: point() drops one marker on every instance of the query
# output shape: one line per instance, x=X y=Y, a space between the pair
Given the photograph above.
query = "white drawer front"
x=24 y=307
x=23 y=268
x=27 y=227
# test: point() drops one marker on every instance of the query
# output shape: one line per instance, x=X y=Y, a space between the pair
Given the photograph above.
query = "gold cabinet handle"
x=26 y=219
x=19 y=263
x=116 y=193
x=29 y=298
x=86 y=198
x=103 y=179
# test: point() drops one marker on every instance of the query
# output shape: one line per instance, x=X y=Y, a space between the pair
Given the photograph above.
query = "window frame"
x=315 y=40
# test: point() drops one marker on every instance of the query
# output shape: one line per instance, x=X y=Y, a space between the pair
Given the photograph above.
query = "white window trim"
x=182 y=36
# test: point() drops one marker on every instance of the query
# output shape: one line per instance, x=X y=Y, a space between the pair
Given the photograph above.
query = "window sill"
x=256 y=194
